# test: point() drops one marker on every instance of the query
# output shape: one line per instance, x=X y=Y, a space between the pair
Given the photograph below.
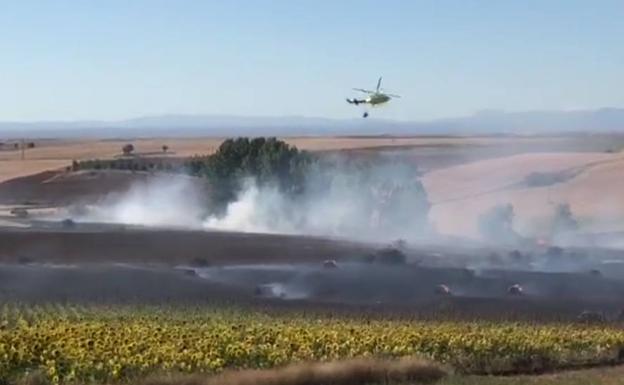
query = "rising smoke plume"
x=379 y=201
x=172 y=201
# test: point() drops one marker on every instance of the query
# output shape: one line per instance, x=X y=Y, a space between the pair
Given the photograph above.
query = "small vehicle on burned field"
x=515 y=290
x=268 y=291
x=591 y=317
x=442 y=290
x=19 y=212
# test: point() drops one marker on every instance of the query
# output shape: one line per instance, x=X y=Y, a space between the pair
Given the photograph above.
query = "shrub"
x=267 y=160
x=127 y=149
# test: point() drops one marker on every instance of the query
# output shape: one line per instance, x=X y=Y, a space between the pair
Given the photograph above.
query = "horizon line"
x=481 y=112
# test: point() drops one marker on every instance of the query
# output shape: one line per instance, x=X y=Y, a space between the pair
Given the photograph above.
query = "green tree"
x=127 y=149
x=267 y=160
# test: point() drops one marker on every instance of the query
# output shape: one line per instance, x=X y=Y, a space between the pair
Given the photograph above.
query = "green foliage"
x=127 y=149
x=132 y=164
x=267 y=160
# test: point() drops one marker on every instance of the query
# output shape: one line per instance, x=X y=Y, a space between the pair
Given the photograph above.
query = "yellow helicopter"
x=374 y=98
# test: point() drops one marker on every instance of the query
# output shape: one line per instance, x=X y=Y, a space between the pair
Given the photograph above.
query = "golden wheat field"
x=103 y=344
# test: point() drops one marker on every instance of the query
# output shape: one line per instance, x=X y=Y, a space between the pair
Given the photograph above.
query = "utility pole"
x=23 y=149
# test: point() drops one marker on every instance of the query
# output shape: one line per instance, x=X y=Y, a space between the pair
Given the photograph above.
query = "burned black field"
x=279 y=272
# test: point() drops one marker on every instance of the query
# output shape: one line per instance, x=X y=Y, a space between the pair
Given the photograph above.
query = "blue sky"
x=117 y=59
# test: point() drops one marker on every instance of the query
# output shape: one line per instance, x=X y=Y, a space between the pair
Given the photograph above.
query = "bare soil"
x=108 y=244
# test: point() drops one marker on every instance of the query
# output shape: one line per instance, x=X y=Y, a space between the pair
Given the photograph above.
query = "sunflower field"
x=106 y=344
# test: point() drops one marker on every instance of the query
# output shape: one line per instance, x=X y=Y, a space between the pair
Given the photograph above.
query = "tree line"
x=392 y=192
x=267 y=160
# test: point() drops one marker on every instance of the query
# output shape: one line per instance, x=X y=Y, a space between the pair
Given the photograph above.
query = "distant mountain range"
x=482 y=123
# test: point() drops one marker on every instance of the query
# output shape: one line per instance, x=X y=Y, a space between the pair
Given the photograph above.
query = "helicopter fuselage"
x=374 y=98
x=377 y=98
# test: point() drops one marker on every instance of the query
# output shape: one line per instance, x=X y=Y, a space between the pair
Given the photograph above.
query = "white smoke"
x=254 y=210
x=337 y=202
x=347 y=207
x=164 y=201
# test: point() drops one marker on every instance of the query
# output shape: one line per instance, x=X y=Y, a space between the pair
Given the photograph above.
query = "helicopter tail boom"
x=356 y=101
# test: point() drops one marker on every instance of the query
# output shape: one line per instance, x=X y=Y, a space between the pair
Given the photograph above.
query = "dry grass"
x=91 y=148
x=350 y=372
x=10 y=169
x=417 y=372
x=598 y=376
x=36 y=377
x=461 y=193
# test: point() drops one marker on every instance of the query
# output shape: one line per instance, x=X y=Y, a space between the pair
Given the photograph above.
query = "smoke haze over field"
x=380 y=202
x=255 y=210
x=381 y=199
x=377 y=202
x=165 y=201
